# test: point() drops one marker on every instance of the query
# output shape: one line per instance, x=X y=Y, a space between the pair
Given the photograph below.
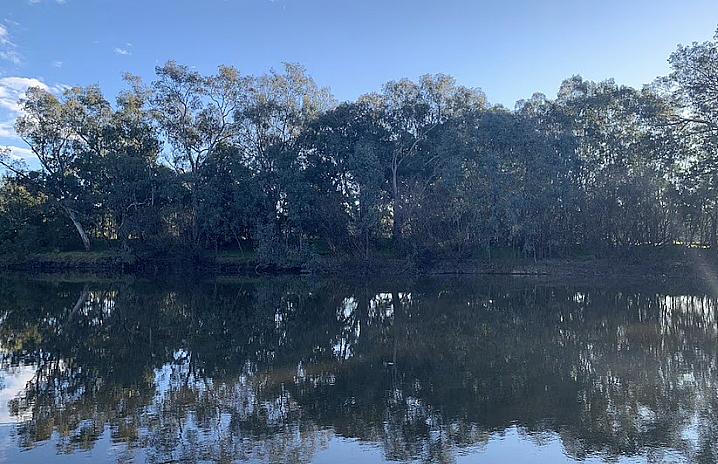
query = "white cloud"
x=57 y=64
x=57 y=89
x=7 y=129
x=14 y=88
x=4 y=36
x=122 y=51
x=20 y=153
x=10 y=56
x=7 y=47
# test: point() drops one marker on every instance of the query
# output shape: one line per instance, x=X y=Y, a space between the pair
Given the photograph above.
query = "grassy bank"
x=70 y=261
x=676 y=262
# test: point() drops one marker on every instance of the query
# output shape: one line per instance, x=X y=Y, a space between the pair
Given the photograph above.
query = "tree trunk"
x=396 y=229
x=398 y=219
x=80 y=230
x=195 y=219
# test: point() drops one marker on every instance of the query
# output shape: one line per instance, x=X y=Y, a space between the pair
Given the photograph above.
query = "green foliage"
x=229 y=201
x=29 y=223
x=692 y=88
x=20 y=218
x=191 y=164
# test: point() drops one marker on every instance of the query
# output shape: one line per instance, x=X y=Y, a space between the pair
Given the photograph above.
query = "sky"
x=510 y=49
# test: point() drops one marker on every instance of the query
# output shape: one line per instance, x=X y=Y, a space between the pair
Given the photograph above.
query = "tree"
x=97 y=163
x=279 y=108
x=60 y=134
x=621 y=161
x=21 y=216
x=196 y=116
x=343 y=151
x=694 y=78
x=552 y=173
x=230 y=199
x=410 y=113
x=127 y=174
x=693 y=89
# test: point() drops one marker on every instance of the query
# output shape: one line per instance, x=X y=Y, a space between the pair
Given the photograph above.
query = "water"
x=304 y=370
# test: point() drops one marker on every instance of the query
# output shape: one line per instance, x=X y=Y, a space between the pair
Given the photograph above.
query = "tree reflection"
x=272 y=370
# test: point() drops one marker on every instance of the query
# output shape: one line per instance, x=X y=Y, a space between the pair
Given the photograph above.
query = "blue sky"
x=509 y=48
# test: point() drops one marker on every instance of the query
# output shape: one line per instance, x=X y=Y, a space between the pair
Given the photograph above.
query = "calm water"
x=293 y=370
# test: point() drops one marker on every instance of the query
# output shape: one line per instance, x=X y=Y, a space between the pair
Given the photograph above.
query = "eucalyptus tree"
x=344 y=150
x=438 y=192
x=412 y=113
x=129 y=177
x=693 y=87
x=621 y=162
x=511 y=185
x=695 y=79
x=62 y=133
x=553 y=173
x=96 y=162
x=230 y=200
x=22 y=217
x=196 y=115
x=279 y=107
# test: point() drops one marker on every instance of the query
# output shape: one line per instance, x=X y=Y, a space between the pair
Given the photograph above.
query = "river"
x=309 y=370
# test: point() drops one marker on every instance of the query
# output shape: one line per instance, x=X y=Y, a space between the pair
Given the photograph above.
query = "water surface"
x=303 y=370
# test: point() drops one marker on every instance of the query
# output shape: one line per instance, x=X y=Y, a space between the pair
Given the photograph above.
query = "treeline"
x=272 y=164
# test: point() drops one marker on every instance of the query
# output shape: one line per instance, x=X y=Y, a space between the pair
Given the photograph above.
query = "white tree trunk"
x=80 y=230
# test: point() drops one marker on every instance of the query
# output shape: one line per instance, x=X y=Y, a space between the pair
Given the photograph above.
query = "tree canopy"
x=426 y=169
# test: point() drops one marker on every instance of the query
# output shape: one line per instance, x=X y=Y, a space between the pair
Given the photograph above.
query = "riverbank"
x=680 y=263
x=79 y=261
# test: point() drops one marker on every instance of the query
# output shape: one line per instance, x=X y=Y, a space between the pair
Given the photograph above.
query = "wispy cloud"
x=20 y=153
x=4 y=40
x=7 y=129
x=122 y=51
x=11 y=90
x=57 y=64
x=10 y=56
x=59 y=88
x=7 y=47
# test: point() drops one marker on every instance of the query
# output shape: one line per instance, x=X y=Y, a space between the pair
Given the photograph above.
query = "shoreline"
x=690 y=264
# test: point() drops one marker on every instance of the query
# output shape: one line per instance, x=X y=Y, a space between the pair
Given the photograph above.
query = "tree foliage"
x=425 y=170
